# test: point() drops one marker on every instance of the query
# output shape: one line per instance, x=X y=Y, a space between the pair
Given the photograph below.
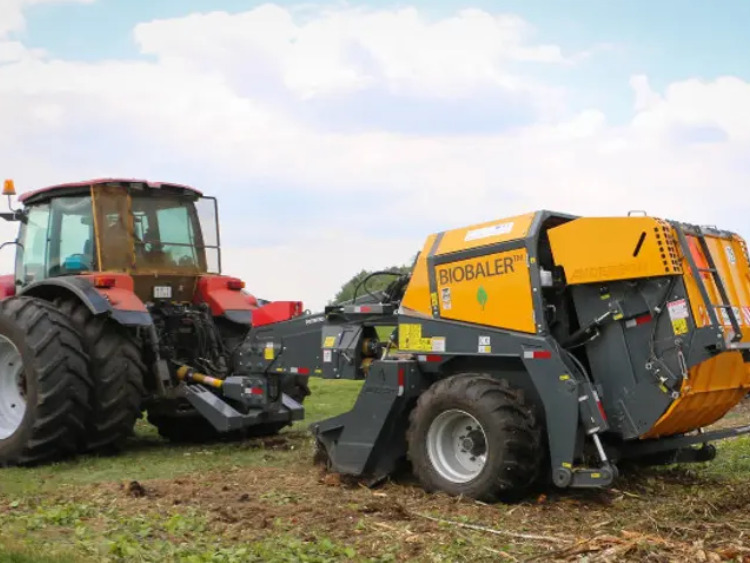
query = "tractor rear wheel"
x=44 y=384
x=117 y=371
x=475 y=435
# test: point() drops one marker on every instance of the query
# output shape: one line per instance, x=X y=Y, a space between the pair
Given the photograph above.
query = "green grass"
x=76 y=511
x=26 y=555
x=329 y=398
x=151 y=457
x=25 y=509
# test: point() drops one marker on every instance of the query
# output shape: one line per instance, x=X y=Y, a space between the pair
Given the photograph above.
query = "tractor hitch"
x=249 y=395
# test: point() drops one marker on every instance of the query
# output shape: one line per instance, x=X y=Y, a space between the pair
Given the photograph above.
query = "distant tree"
x=374 y=284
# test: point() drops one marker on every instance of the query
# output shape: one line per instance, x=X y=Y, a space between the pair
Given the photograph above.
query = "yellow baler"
x=538 y=346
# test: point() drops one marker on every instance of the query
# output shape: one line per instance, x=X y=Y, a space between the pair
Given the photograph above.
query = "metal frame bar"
x=726 y=303
x=696 y=274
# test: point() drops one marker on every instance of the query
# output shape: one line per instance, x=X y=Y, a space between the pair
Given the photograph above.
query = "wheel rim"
x=457 y=446
x=12 y=388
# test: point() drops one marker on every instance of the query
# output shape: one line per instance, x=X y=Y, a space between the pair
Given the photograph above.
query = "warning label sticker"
x=484 y=346
x=679 y=313
x=410 y=338
x=268 y=353
x=445 y=296
x=730 y=254
x=678 y=309
x=326 y=356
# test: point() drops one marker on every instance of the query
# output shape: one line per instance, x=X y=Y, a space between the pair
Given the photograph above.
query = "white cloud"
x=314 y=104
x=339 y=51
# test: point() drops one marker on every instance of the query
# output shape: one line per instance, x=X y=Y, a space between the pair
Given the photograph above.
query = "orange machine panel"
x=599 y=249
x=493 y=290
x=416 y=298
x=712 y=389
x=483 y=234
x=715 y=386
x=730 y=259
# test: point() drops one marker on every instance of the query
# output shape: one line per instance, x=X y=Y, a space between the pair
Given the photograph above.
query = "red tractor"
x=117 y=307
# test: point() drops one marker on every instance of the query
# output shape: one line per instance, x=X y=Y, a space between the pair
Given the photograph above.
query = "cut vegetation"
x=264 y=500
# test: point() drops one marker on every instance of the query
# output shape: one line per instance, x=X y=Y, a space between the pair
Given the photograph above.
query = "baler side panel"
x=600 y=249
x=492 y=290
x=478 y=239
x=634 y=397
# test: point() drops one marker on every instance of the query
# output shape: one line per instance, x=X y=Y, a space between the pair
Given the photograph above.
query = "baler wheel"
x=477 y=436
x=44 y=384
x=117 y=371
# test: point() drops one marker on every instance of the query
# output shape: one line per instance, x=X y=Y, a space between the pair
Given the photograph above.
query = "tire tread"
x=64 y=385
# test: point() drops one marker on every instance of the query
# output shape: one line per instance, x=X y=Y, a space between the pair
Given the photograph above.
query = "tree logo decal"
x=482 y=296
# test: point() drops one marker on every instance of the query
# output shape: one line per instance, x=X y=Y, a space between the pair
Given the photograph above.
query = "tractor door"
x=57 y=240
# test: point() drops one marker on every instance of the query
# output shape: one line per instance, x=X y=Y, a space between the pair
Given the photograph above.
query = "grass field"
x=264 y=500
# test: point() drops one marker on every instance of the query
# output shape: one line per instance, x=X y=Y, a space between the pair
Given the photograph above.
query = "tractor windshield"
x=154 y=232
x=168 y=235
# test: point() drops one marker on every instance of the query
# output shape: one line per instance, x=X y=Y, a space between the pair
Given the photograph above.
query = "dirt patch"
x=664 y=516
x=649 y=514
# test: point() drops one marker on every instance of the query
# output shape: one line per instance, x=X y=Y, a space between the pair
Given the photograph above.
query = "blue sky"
x=667 y=40
x=343 y=133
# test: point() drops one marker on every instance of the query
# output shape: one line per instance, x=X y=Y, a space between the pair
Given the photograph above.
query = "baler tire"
x=56 y=386
x=117 y=371
x=510 y=429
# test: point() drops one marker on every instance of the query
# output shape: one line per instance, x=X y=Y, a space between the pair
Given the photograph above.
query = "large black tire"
x=54 y=384
x=501 y=424
x=117 y=371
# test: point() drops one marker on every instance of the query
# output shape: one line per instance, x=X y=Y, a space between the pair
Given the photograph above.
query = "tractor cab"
x=164 y=232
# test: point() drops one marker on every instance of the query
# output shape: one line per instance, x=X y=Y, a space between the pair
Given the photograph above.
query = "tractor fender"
x=98 y=301
x=7 y=286
x=226 y=298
